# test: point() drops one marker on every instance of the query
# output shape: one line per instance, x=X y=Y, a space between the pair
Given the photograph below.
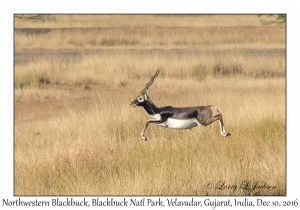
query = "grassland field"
x=75 y=133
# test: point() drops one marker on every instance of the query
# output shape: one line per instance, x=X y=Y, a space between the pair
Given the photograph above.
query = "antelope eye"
x=140 y=99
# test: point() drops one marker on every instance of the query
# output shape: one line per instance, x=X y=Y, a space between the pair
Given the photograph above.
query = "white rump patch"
x=180 y=124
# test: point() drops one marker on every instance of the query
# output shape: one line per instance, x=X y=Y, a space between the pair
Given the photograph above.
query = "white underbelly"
x=180 y=124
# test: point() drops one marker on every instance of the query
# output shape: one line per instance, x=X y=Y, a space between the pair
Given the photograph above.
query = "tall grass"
x=103 y=68
x=86 y=142
x=77 y=141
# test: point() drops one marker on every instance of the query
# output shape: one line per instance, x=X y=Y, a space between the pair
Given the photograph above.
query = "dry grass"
x=75 y=133
x=86 y=142
x=159 y=37
x=115 y=68
x=93 y=32
x=75 y=21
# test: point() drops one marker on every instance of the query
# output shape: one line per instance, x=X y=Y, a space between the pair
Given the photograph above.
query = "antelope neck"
x=150 y=108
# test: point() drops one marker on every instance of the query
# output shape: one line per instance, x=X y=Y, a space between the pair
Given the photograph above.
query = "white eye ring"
x=140 y=99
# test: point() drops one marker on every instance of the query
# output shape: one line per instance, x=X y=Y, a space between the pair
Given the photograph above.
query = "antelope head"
x=143 y=96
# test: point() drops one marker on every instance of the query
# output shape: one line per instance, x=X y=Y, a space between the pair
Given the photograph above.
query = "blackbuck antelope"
x=176 y=117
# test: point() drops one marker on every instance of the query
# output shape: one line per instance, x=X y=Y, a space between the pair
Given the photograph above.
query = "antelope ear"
x=146 y=95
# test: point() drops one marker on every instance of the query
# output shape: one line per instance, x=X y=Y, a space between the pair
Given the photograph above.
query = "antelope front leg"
x=143 y=132
x=146 y=125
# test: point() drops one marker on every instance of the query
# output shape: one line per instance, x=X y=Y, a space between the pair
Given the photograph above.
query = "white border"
x=8 y=8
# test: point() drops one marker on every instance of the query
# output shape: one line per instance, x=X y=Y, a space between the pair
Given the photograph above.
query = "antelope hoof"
x=226 y=134
x=143 y=137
